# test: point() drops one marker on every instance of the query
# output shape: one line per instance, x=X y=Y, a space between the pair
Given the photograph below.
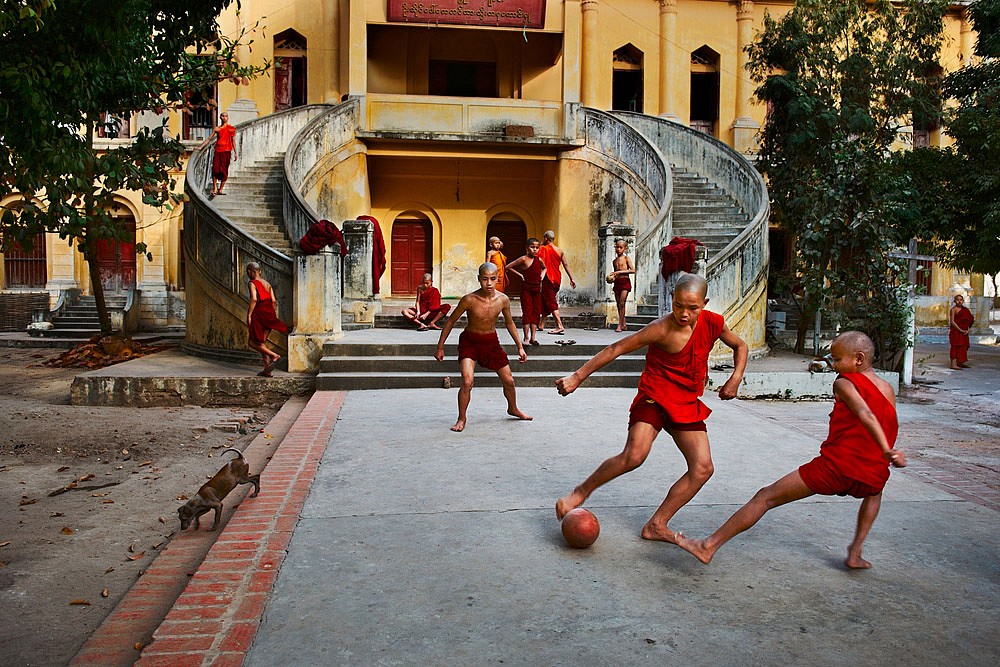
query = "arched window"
x=626 y=81
x=289 y=70
x=705 y=90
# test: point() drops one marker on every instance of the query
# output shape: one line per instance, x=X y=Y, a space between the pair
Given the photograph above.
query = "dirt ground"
x=88 y=495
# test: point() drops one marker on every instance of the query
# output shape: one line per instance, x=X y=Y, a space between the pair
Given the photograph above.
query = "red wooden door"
x=116 y=261
x=514 y=237
x=411 y=255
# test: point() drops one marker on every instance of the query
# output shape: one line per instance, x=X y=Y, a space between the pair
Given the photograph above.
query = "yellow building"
x=453 y=121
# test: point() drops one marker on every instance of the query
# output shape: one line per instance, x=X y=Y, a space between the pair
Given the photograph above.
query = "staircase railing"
x=217 y=250
x=313 y=152
x=738 y=274
x=634 y=159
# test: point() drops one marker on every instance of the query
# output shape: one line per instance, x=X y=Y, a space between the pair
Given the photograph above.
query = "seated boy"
x=673 y=379
x=854 y=460
x=480 y=344
x=428 y=308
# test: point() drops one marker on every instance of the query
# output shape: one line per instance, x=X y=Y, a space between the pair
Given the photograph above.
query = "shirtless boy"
x=854 y=460
x=480 y=344
x=623 y=268
x=674 y=377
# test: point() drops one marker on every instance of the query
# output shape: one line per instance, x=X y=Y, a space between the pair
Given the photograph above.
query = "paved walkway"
x=380 y=537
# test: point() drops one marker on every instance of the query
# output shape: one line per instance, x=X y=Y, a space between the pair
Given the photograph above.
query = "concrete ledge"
x=789 y=385
x=147 y=392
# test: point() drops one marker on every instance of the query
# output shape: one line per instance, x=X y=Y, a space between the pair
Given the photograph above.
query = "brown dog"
x=209 y=496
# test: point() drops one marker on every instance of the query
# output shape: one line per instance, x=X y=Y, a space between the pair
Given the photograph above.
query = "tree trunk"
x=90 y=254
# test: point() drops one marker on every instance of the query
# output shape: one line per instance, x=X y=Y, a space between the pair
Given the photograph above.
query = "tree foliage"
x=69 y=66
x=956 y=202
x=839 y=78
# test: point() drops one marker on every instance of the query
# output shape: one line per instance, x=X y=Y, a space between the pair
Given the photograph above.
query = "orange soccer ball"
x=580 y=528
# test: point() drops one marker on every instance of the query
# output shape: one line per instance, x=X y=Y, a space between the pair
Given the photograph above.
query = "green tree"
x=67 y=66
x=839 y=78
x=956 y=190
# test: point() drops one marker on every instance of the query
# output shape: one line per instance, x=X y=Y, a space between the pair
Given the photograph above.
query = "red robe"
x=675 y=381
x=959 y=341
x=430 y=302
x=849 y=446
x=263 y=319
x=531 y=293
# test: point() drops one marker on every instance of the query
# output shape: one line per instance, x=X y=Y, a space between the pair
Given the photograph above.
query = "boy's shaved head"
x=428 y=276
x=857 y=341
x=487 y=267
x=692 y=283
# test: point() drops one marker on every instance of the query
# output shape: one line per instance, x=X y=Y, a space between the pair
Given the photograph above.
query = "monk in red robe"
x=530 y=269
x=853 y=460
x=668 y=398
x=262 y=318
x=428 y=308
x=960 y=321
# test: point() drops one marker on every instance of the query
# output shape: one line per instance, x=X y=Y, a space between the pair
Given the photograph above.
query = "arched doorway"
x=289 y=70
x=510 y=229
x=626 y=79
x=116 y=259
x=705 y=91
x=411 y=252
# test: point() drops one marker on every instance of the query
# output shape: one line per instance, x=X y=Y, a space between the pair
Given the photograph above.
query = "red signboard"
x=497 y=13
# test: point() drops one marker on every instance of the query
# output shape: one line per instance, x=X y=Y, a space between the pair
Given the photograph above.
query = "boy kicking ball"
x=854 y=460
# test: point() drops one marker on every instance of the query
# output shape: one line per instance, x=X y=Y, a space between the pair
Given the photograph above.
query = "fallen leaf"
x=4 y=563
x=109 y=570
x=81 y=601
x=137 y=646
x=268 y=436
x=132 y=547
x=55 y=514
x=27 y=501
x=5 y=544
x=158 y=545
x=136 y=556
x=145 y=463
x=62 y=468
x=66 y=530
x=86 y=478
x=105 y=593
x=162 y=520
x=182 y=497
x=108 y=502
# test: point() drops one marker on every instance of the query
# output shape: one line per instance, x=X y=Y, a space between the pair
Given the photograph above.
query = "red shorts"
x=645 y=409
x=531 y=306
x=220 y=164
x=484 y=349
x=549 y=302
x=822 y=477
x=622 y=284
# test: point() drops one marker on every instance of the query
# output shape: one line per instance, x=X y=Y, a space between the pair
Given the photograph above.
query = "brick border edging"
x=215 y=619
x=261 y=524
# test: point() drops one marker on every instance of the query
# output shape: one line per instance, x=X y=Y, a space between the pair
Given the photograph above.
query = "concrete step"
x=562 y=364
x=522 y=378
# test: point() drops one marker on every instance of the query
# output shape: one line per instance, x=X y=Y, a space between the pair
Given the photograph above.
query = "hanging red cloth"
x=378 y=252
x=678 y=255
x=320 y=235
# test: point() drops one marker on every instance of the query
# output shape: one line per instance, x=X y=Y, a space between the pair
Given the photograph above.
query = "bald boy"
x=853 y=460
x=480 y=344
x=668 y=398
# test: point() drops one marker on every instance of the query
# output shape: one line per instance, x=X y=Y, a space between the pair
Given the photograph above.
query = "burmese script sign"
x=503 y=13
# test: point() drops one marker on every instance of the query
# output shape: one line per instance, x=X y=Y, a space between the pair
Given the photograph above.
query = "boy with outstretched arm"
x=480 y=344
x=674 y=377
x=530 y=269
x=853 y=460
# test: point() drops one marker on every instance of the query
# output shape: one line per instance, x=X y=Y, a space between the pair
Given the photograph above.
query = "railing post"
x=316 y=309
x=360 y=300
x=606 y=236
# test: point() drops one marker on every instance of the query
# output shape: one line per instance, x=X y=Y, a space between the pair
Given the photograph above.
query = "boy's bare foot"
x=694 y=547
x=434 y=326
x=955 y=367
x=653 y=532
x=567 y=503
x=514 y=412
x=856 y=562
x=459 y=426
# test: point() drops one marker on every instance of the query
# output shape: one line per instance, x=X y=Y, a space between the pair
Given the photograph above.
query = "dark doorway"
x=626 y=79
x=704 y=101
x=289 y=82
x=462 y=78
x=511 y=231
x=411 y=254
x=116 y=260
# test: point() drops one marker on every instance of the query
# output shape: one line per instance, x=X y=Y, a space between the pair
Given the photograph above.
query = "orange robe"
x=500 y=261
x=676 y=381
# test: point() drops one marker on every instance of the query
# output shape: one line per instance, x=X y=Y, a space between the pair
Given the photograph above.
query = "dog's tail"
x=230 y=449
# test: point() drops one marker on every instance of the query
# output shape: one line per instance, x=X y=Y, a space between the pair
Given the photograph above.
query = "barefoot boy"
x=530 y=269
x=428 y=308
x=674 y=378
x=480 y=344
x=623 y=268
x=854 y=460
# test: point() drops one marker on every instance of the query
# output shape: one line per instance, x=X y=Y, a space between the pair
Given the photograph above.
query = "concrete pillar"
x=606 y=236
x=357 y=51
x=591 y=54
x=360 y=301
x=669 y=107
x=316 y=309
x=244 y=108
x=572 y=51
x=745 y=128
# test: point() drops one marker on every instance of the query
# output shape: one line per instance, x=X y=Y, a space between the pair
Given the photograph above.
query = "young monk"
x=496 y=257
x=673 y=379
x=960 y=320
x=530 y=269
x=480 y=344
x=623 y=268
x=262 y=318
x=854 y=460
x=428 y=308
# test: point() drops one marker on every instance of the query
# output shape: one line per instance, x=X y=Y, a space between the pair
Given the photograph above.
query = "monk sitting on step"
x=428 y=308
